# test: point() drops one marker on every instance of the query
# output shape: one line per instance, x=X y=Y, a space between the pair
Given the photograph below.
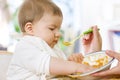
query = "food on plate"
x=96 y=60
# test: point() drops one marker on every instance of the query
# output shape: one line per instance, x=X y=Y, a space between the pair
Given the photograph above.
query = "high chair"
x=5 y=58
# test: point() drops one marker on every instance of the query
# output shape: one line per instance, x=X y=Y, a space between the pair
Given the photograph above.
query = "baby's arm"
x=64 y=67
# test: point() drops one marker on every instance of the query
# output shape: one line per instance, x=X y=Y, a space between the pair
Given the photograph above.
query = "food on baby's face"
x=96 y=60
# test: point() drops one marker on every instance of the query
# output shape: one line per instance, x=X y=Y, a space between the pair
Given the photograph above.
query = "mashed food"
x=96 y=60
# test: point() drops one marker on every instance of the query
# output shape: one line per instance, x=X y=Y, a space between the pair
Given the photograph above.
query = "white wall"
x=103 y=13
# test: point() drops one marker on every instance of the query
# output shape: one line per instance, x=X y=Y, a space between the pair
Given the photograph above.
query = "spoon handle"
x=85 y=32
x=76 y=38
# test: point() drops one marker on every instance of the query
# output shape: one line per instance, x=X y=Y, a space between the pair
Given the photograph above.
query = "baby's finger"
x=70 y=58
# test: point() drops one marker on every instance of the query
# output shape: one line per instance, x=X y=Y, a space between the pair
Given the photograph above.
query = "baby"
x=36 y=57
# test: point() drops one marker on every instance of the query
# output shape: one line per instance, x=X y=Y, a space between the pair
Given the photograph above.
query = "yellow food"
x=96 y=60
x=67 y=43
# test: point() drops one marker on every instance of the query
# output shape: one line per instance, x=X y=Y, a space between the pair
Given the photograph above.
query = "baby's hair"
x=33 y=10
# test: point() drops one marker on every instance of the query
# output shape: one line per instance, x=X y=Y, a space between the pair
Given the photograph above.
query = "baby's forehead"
x=49 y=17
x=53 y=11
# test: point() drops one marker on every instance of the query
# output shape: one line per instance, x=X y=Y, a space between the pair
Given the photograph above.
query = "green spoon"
x=85 y=32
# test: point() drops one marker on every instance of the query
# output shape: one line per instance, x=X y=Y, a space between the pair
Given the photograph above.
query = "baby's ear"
x=29 y=28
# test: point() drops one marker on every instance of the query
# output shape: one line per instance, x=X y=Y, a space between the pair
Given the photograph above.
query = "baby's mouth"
x=56 y=41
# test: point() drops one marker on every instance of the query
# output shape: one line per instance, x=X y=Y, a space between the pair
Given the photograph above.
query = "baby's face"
x=47 y=28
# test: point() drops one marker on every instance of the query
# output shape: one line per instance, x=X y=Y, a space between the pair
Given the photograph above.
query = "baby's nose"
x=58 y=34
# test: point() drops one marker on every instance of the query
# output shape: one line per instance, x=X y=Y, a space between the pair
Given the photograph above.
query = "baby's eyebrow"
x=55 y=26
x=51 y=25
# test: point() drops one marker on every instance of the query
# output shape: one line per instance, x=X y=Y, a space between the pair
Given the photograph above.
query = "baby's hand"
x=84 y=68
x=76 y=57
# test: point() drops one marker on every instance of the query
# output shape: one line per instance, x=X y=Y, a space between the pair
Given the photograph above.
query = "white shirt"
x=31 y=59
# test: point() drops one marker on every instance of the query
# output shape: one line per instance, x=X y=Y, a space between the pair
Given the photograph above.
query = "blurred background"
x=78 y=16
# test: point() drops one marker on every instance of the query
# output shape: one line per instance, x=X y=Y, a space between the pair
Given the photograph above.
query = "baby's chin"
x=52 y=45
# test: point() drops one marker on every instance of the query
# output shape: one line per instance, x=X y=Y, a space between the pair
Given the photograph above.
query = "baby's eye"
x=51 y=29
